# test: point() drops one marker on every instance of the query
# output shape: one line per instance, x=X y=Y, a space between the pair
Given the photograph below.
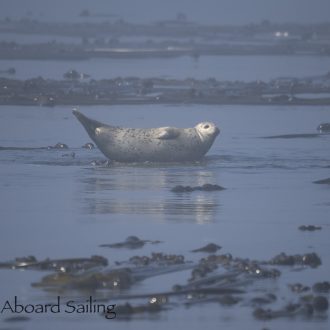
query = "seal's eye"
x=206 y=126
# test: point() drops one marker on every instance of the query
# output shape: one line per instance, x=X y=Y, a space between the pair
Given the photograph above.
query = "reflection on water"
x=269 y=193
x=145 y=190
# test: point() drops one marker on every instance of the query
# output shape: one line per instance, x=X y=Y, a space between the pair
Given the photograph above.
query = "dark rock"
x=124 y=309
x=158 y=259
x=254 y=269
x=205 y=187
x=60 y=265
x=321 y=287
x=263 y=300
x=179 y=189
x=61 y=146
x=158 y=300
x=209 y=248
x=263 y=314
x=323 y=181
x=72 y=75
x=88 y=145
x=19 y=262
x=131 y=242
x=103 y=162
x=293 y=136
x=298 y=288
x=320 y=303
x=177 y=287
x=85 y=13
x=324 y=128
x=58 y=145
x=229 y=300
x=127 y=309
x=11 y=71
x=311 y=259
x=72 y=155
x=18 y=318
x=307 y=310
x=209 y=187
x=290 y=310
x=199 y=272
x=309 y=228
x=88 y=281
x=308 y=259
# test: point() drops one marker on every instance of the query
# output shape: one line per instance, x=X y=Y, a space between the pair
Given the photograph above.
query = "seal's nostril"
x=206 y=126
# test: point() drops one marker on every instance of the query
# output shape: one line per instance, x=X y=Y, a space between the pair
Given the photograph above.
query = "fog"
x=265 y=85
x=203 y=11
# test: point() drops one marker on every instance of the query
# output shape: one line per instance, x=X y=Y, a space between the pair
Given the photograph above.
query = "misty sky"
x=204 y=11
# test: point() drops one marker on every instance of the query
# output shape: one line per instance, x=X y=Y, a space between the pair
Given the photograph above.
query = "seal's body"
x=163 y=144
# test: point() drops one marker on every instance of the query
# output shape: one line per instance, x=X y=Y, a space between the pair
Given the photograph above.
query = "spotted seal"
x=163 y=144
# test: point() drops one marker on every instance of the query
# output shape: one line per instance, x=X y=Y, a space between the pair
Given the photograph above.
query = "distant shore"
x=78 y=89
x=120 y=39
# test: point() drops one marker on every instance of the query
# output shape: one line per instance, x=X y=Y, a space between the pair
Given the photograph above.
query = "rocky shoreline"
x=214 y=278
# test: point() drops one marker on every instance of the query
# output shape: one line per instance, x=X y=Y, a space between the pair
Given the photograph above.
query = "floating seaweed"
x=209 y=248
x=131 y=242
x=204 y=187
x=221 y=279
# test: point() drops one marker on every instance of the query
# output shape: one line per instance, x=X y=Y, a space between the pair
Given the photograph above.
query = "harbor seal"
x=163 y=144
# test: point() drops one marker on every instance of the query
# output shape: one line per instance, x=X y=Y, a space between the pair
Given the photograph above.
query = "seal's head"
x=207 y=130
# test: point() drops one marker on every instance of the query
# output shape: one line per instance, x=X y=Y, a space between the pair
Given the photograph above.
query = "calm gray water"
x=206 y=11
x=245 y=68
x=55 y=206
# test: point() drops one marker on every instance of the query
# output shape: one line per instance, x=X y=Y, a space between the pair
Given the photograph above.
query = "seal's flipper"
x=167 y=133
x=90 y=125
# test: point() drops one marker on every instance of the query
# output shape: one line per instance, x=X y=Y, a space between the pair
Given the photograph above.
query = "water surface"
x=242 y=68
x=53 y=205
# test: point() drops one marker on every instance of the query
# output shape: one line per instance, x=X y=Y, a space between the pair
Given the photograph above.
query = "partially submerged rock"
x=292 y=136
x=308 y=259
x=309 y=228
x=61 y=265
x=204 y=187
x=298 y=287
x=320 y=303
x=20 y=262
x=324 y=128
x=263 y=300
x=323 y=181
x=321 y=287
x=127 y=310
x=306 y=309
x=17 y=318
x=71 y=154
x=88 y=281
x=103 y=162
x=88 y=145
x=158 y=259
x=131 y=242
x=209 y=248
x=59 y=145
